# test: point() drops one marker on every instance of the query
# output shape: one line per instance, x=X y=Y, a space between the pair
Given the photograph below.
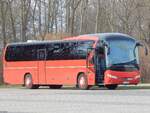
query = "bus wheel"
x=55 y=86
x=82 y=82
x=112 y=86
x=29 y=83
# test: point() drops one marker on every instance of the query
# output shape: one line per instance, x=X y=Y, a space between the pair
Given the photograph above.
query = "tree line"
x=21 y=20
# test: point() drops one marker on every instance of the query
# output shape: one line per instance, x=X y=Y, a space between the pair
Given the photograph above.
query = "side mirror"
x=142 y=45
x=139 y=44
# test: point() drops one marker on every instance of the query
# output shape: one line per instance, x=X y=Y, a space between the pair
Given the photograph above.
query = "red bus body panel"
x=14 y=72
x=47 y=72
x=122 y=77
x=64 y=72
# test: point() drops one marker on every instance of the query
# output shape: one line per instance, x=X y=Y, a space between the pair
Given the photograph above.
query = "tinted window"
x=82 y=47
x=53 y=51
x=11 y=53
x=68 y=50
x=21 y=53
x=41 y=54
x=29 y=53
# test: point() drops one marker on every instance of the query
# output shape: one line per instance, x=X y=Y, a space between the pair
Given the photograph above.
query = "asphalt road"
x=44 y=100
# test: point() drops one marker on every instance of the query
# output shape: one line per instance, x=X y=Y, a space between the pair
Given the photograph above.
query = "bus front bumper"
x=117 y=77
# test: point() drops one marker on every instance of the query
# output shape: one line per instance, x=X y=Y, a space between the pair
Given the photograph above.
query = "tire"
x=82 y=82
x=101 y=86
x=28 y=82
x=111 y=87
x=55 y=86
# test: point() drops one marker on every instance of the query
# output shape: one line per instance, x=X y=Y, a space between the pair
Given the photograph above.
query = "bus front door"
x=41 y=53
x=90 y=66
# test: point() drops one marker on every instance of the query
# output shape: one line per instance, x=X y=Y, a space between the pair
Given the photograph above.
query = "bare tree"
x=72 y=6
x=4 y=9
x=98 y=16
x=12 y=18
x=25 y=11
x=83 y=14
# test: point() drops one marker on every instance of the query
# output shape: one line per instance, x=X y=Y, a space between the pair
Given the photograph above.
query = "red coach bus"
x=108 y=59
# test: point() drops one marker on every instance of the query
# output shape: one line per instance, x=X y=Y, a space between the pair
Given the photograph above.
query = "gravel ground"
x=70 y=100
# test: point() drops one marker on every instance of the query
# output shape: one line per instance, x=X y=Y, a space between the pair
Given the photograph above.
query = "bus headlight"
x=137 y=77
x=112 y=76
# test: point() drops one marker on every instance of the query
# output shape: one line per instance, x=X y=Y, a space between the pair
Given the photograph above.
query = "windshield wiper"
x=126 y=66
x=126 y=63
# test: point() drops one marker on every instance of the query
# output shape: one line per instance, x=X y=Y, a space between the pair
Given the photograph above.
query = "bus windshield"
x=122 y=52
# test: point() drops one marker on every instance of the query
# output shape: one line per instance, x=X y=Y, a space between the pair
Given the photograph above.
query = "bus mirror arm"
x=146 y=50
x=108 y=52
x=142 y=45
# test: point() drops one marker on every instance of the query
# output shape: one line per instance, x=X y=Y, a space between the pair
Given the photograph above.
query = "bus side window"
x=29 y=53
x=73 y=50
x=9 y=56
x=56 y=51
x=53 y=51
x=13 y=53
x=82 y=48
x=68 y=51
x=65 y=51
x=41 y=54
x=49 y=51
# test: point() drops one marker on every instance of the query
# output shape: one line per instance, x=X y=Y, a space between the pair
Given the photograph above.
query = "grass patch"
x=10 y=86
x=130 y=87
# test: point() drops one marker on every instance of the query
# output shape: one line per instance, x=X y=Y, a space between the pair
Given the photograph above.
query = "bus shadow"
x=67 y=88
x=94 y=88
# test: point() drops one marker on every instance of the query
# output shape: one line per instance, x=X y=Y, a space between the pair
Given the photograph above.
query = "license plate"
x=126 y=79
x=130 y=78
x=125 y=82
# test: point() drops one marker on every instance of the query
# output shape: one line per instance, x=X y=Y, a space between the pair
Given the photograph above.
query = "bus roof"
x=40 y=42
x=101 y=36
x=95 y=37
x=105 y=36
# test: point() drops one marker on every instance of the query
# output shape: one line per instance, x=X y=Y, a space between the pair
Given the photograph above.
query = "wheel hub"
x=82 y=81
x=28 y=82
